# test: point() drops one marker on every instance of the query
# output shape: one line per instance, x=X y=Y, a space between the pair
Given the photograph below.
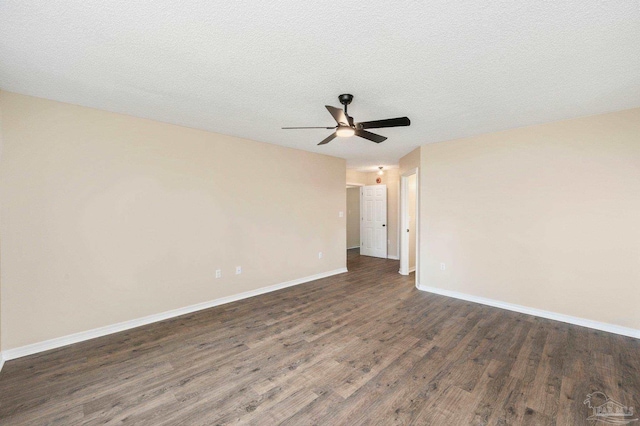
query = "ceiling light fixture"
x=380 y=172
x=345 y=131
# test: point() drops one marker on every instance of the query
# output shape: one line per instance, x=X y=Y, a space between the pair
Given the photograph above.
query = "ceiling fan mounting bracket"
x=345 y=99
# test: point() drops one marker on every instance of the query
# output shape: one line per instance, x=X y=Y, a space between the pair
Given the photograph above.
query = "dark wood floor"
x=364 y=347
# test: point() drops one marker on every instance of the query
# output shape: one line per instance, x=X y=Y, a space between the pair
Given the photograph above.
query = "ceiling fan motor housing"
x=345 y=99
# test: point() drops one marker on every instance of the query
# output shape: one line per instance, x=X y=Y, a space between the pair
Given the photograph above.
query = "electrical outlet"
x=341 y=214
x=218 y=273
x=319 y=255
x=238 y=270
x=443 y=266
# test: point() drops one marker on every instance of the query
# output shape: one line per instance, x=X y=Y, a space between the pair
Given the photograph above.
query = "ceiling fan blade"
x=287 y=128
x=338 y=115
x=328 y=139
x=379 y=124
x=371 y=136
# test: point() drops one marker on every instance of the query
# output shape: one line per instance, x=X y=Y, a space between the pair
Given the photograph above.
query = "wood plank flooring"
x=363 y=347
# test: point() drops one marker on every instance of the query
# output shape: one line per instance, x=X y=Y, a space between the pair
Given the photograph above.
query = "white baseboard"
x=393 y=257
x=596 y=325
x=1 y=360
x=349 y=248
x=127 y=325
x=412 y=269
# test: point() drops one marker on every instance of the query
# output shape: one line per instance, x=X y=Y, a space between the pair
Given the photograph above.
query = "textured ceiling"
x=246 y=68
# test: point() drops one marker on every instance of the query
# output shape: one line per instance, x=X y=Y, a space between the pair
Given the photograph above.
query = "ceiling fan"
x=346 y=127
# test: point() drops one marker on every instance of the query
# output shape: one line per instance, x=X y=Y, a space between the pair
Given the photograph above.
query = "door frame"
x=404 y=222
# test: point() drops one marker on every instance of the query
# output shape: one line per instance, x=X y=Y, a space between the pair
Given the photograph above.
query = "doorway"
x=409 y=212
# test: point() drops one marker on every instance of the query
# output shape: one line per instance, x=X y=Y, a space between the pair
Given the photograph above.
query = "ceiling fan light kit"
x=345 y=131
x=346 y=127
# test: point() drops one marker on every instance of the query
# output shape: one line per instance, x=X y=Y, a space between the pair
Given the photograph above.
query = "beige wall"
x=356 y=178
x=353 y=217
x=546 y=216
x=107 y=218
x=409 y=161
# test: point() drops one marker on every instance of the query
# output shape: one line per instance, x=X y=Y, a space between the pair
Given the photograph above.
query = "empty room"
x=319 y=213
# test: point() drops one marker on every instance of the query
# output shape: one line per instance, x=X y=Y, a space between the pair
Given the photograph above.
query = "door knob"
x=384 y=224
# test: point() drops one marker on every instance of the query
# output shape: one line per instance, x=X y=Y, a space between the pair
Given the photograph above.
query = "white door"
x=373 y=230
